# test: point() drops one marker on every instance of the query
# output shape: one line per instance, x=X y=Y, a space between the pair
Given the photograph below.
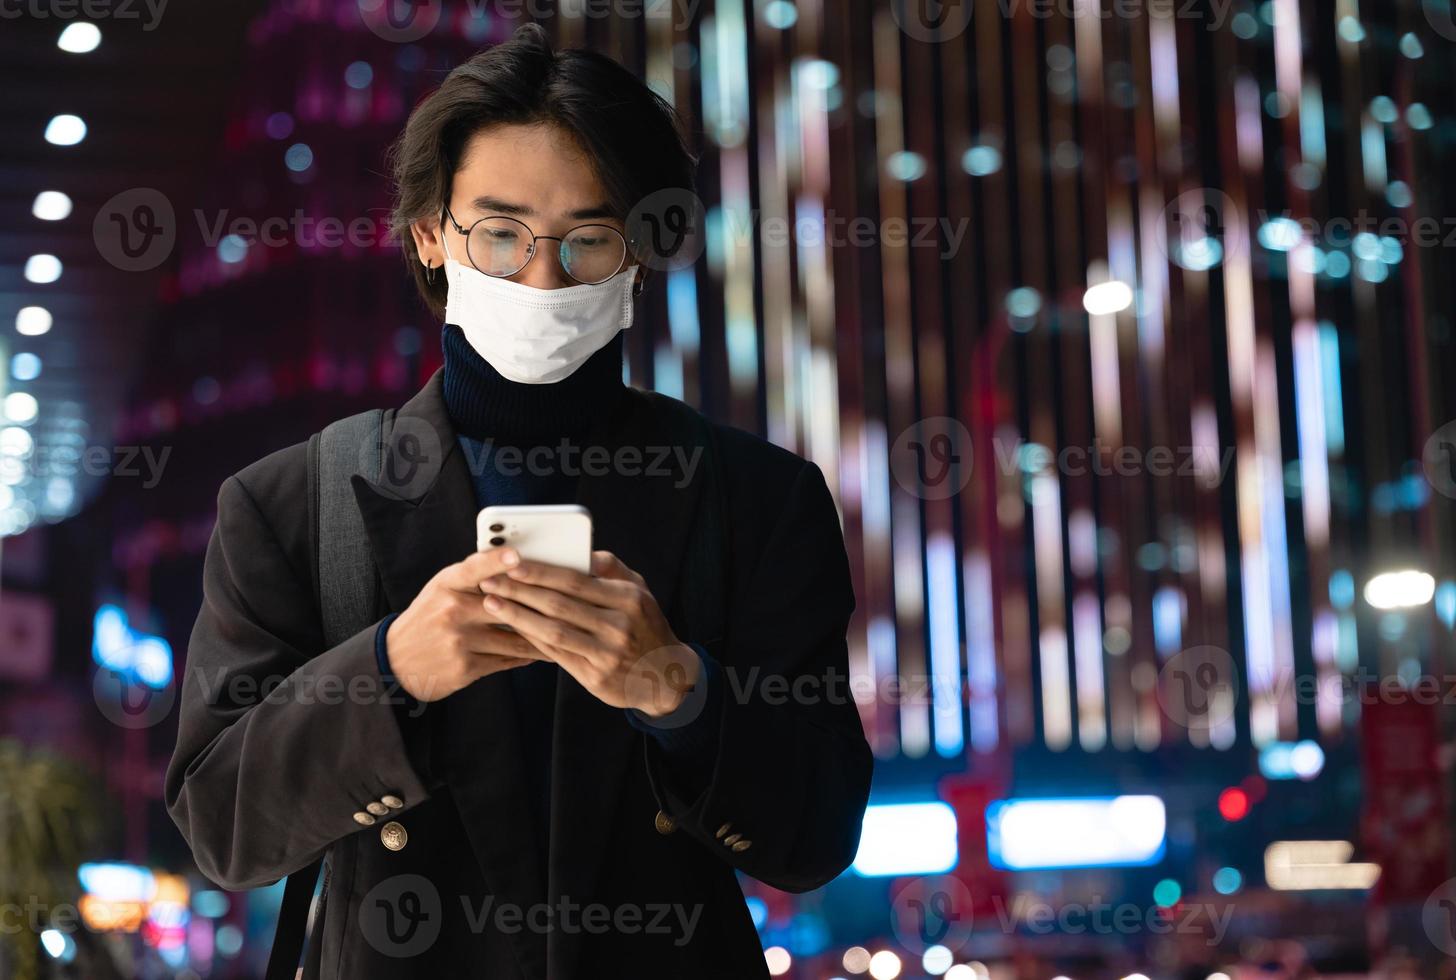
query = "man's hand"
x=446 y=639
x=604 y=629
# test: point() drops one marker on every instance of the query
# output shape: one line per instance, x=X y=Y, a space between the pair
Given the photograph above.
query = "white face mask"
x=536 y=336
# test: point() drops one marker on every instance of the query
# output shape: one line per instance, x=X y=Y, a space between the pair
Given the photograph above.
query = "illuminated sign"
x=1093 y=832
x=907 y=839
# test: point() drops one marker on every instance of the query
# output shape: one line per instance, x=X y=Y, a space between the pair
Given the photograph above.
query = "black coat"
x=261 y=786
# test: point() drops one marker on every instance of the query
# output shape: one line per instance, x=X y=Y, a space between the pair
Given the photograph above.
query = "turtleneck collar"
x=484 y=404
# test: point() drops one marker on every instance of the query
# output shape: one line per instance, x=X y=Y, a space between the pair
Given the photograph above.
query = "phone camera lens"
x=497 y=528
x=497 y=542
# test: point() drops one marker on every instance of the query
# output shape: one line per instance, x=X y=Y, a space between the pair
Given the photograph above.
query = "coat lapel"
x=641 y=512
x=420 y=517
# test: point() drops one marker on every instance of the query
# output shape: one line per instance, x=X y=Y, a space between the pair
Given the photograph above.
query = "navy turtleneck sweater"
x=490 y=412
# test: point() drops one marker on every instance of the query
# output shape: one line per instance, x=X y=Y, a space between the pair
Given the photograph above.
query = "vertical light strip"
x=1087 y=653
x=899 y=364
x=875 y=517
x=1333 y=389
x=725 y=113
x=984 y=700
x=1314 y=471
x=945 y=646
x=1046 y=528
x=1280 y=696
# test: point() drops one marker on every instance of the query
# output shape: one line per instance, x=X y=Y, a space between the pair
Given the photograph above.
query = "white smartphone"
x=558 y=534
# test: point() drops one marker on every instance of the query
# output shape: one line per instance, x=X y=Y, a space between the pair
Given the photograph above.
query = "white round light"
x=1403 y=589
x=51 y=206
x=79 y=38
x=884 y=965
x=32 y=321
x=12 y=471
x=21 y=406
x=41 y=269
x=54 y=942
x=937 y=960
x=15 y=441
x=1107 y=298
x=960 y=972
x=65 y=130
x=856 y=959
x=25 y=366
x=778 y=960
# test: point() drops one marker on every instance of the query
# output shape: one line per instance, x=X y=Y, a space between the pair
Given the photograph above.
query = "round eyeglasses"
x=500 y=246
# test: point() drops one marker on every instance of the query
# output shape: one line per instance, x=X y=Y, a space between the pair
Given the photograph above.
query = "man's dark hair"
x=631 y=135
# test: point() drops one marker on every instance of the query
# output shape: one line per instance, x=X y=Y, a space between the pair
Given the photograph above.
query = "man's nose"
x=543 y=270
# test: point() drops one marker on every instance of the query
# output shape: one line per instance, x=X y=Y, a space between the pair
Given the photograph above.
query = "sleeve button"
x=378 y=809
x=663 y=823
x=742 y=846
x=392 y=801
x=723 y=830
x=363 y=819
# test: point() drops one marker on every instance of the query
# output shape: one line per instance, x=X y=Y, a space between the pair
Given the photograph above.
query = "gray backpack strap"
x=344 y=566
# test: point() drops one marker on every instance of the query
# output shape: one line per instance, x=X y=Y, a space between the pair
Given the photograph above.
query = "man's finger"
x=466 y=575
x=604 y=564
x=492 y=641
x=608 y=593
x=546 y=601
x=543 y=632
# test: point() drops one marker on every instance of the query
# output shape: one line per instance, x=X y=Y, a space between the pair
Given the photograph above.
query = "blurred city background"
x=1118 y=328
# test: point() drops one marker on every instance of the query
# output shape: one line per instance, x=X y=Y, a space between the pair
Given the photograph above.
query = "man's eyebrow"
x=495 y=205
x=598 y=211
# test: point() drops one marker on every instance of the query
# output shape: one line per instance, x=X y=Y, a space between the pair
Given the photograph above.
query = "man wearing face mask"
x=524 y=771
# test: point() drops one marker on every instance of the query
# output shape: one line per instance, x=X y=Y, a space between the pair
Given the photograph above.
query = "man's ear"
x=426 y=233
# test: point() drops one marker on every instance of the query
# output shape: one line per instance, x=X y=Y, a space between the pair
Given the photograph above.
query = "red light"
x=1233 y=804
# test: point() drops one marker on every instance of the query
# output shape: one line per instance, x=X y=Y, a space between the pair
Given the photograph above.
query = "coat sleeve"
x=280 y=741
x=791 y=773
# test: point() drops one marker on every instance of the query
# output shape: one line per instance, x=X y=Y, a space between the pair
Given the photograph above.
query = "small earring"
x=430 y=271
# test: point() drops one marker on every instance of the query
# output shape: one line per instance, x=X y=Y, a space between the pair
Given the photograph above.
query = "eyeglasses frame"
x=627 y=243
